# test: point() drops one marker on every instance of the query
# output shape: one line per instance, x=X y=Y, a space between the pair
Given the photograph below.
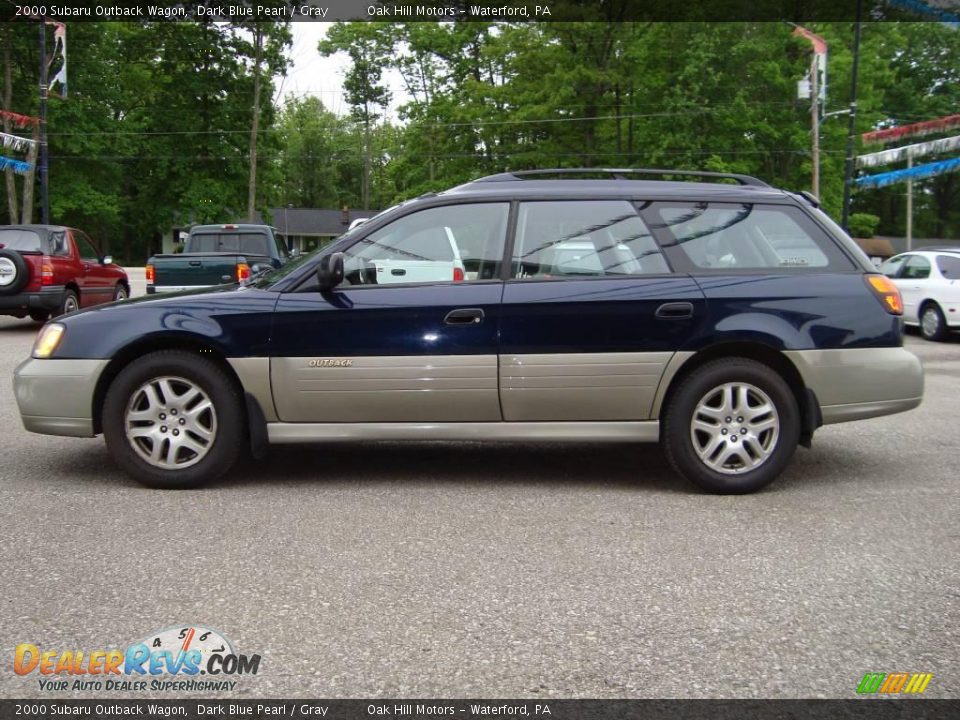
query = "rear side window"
x=735 y=236
x=17 y=239
x=949 y=266
x=589 y=238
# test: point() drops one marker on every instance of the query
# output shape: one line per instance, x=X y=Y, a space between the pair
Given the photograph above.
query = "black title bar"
x=483 y=10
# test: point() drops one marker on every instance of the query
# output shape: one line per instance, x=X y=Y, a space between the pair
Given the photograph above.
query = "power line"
x=472 y=123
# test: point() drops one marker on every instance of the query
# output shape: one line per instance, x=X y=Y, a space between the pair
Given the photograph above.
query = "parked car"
x=216 y=255
x=51 y=270
x=429 y=255
x=743 y=320
x=929 y=281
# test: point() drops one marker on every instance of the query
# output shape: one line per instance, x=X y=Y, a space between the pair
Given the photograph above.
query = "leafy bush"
x=863 y=225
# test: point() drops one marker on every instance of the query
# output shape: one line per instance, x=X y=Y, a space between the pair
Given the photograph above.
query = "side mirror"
x=330 y=271
x=106 y=260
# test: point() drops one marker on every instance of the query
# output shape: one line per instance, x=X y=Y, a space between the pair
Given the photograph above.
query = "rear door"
x=379 y=350
x=592 y=314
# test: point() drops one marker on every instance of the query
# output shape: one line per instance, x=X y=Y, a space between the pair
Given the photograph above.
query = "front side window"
x=746 y=236
x=892 y=266
x=454 y=243
x=85 y=246
x=916 y=268
x=590 y=238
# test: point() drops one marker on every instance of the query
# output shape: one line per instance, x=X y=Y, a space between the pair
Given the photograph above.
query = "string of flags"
x=893 y=155
x=19 y=121
x=18 y=166
x=928 y=127
x=920 y=172
x=16 y=142
x=909 y=152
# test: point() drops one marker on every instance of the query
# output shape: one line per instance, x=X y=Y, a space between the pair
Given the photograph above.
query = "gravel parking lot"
x=472 y=570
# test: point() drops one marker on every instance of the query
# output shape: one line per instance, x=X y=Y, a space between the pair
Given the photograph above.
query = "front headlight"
x=47 y=340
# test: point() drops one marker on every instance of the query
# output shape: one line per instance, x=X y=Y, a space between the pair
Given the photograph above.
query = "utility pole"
x=909 y=203
x=255 y=124
x=44 y=155
x=852 y=126
x=818 y=63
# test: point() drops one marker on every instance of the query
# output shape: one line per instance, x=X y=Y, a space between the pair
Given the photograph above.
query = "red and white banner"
x=20 y=121
x=928 y=127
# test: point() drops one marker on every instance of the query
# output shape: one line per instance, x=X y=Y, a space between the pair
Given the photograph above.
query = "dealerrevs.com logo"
x=172 y=659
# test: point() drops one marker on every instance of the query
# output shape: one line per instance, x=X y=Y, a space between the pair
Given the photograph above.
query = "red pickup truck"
x=52 y=270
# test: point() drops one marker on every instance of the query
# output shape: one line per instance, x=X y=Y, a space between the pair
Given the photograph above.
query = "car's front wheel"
x=173 y=419
x=732 y=426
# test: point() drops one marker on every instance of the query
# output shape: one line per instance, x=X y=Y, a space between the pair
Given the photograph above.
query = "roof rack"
x=620 y=173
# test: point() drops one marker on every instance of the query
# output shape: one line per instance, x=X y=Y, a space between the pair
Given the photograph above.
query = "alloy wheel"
x=170 y=422
x=735 y=428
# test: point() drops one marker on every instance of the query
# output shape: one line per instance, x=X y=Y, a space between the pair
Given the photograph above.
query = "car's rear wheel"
x=173 y=419
x=68 y=303
x=732 y=426
x=39 y=315
x=932 y=324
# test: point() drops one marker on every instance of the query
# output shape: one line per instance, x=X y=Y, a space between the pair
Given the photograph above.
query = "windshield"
x=17 y=239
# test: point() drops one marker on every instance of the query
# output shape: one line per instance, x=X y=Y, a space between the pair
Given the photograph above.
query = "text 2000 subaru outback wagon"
x=728 y=321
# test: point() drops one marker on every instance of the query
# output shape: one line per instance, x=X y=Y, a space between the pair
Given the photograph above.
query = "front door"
x=591 y=314
x=384 y=348
x=96 y=282
x=914 y=283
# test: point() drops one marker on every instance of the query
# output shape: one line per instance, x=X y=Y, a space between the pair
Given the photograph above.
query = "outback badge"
x=328 y=362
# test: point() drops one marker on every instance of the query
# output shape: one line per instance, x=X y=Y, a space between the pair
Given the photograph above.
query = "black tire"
x=39 y=315
x=68 y=303
x=935 y=327
x=14 y=272
x=678 y=430
x=228 y=438
x=121 y=293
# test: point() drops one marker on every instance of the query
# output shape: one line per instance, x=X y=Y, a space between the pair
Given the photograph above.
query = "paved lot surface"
x=498 y=571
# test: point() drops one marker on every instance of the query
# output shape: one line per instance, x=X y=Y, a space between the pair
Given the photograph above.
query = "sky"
x=315 y=75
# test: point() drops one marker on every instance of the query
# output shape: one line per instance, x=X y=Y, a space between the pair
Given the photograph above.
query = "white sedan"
x=929 y=281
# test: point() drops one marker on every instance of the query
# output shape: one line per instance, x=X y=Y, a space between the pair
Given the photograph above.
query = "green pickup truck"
x=216 y=255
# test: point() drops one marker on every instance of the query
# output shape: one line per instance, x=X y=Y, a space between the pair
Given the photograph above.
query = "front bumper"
x=55 y=397
x=860 y=383
x=47 y=299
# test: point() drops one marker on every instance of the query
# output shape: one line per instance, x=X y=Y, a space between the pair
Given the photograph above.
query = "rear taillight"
x=457 y=274
x=150 y=273
x=243 y=272
x=46 y=271
x=886 y=293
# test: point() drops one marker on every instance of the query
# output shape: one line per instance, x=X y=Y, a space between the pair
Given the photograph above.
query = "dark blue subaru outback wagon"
x=723 y=317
